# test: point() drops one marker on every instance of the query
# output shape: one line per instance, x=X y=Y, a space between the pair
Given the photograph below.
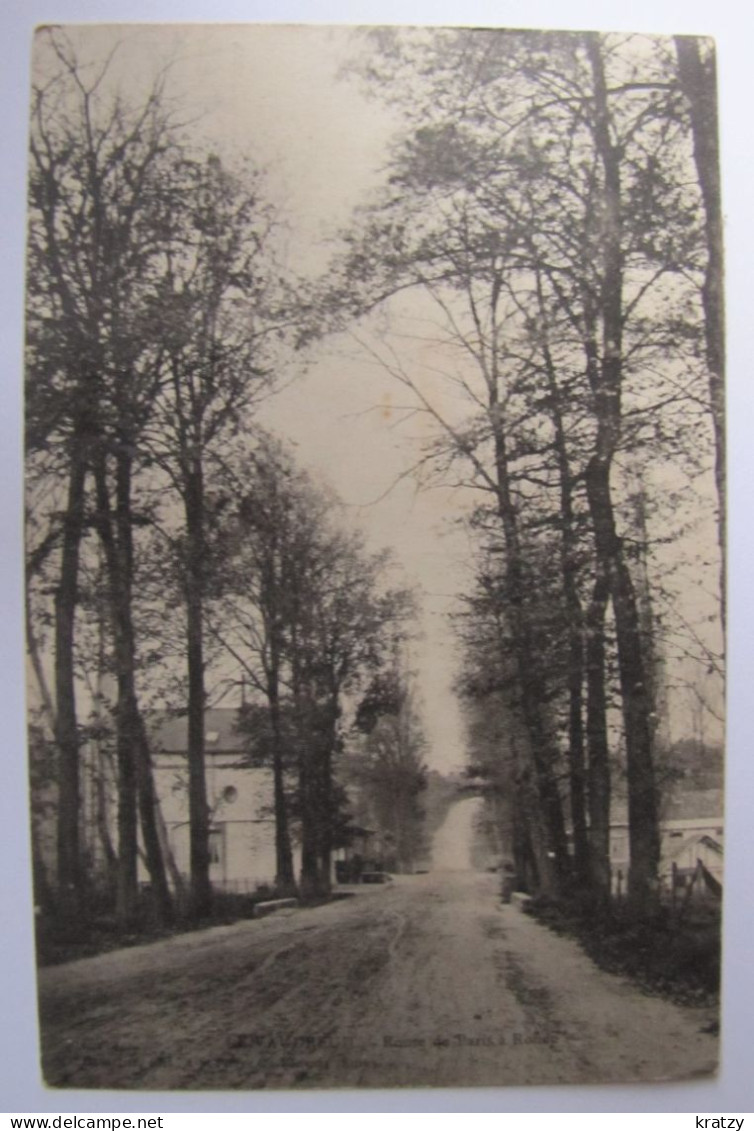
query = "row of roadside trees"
x=548 y=249
x=167 y=532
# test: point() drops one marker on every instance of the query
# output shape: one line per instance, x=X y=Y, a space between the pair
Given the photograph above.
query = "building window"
x=216 y=844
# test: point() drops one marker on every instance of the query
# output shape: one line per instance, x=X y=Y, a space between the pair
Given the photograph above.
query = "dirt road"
x=424 y=981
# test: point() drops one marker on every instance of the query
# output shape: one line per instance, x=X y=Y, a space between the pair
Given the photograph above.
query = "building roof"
x=699 y=838
x=170 y=732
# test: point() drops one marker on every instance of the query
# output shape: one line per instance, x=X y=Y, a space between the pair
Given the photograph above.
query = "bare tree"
x=698 y=77
x=214 y=315
x=92 y=238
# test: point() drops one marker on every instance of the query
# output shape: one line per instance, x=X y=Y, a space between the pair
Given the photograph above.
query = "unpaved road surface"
x=425 y=981
x=452 y=848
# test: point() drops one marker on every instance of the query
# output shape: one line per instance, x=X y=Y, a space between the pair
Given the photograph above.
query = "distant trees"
x=387 y=767
x=308 y=614
x=255 y=618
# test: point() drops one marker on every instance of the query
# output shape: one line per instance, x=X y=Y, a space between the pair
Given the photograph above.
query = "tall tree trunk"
x=635 y=693
x=44 y=896
x=529 y=853
x=201 y=889
x=699 y=84
x=325 y=799
x=308 y=879
x=309 y=839
x=128 y=887
x=643 y=820
x=66 y=726
x=606 y=378
x=127 y=870
x=574 y=612
x=596 y=734
x=308 y=739
x=135 y=780
x=103 y=825
x=102 y=765
x=315 y=789
x=32 y=648
x=149 y=822
x=554 y=864
x=577 y=755
x=176 y=879
x=145 y=789
x=285 y=879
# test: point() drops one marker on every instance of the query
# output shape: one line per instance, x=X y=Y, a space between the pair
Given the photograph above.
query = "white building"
x=239 y=795
x=691 y=830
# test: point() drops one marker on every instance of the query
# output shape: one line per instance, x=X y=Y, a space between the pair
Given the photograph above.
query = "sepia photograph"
x=375 y=551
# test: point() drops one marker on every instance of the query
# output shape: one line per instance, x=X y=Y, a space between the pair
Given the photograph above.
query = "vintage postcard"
x=375 y=485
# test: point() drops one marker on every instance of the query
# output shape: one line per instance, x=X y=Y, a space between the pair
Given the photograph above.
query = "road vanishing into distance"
x=427 y=980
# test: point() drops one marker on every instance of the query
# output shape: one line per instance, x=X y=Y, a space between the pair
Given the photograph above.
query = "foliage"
x=679 y=959
x=387 y=768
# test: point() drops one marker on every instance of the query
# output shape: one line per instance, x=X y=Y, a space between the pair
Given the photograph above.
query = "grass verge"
x=675 y=956
x=97 y=930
